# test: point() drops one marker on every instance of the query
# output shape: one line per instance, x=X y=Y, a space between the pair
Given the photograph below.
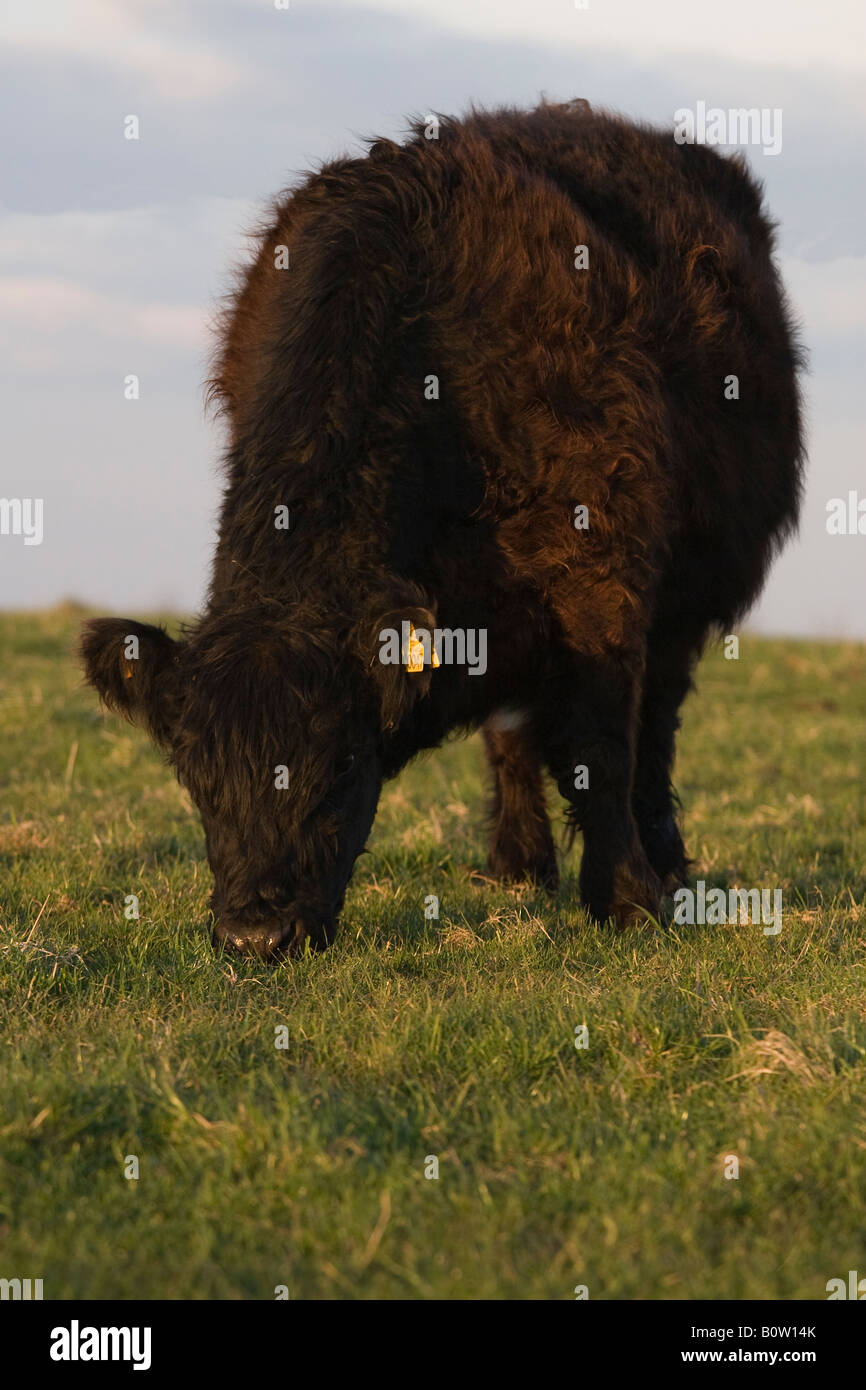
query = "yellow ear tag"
x=127 y=671
x=415 y=654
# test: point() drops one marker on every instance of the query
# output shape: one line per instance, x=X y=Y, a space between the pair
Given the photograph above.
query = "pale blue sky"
x=113 y=253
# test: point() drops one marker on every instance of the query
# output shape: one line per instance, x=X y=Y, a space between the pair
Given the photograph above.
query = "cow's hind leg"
x=522 y=843
x=588 y=723
x=667 y=681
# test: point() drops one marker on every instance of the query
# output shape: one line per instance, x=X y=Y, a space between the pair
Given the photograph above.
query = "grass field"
x=304 y=1166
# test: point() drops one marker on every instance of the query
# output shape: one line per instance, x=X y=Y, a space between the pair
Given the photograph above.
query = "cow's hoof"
x=637 y=897
x=626 y=915
x=633 y=898
x=513 y=867
x=664 y=848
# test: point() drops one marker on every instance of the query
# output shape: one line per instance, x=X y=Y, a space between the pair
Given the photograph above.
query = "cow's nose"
x=264 y=941
x=270 y=941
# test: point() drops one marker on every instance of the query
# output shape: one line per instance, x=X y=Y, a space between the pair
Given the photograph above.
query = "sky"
x=114 y=254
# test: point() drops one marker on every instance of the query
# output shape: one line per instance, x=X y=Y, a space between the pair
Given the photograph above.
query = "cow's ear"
x=133 y=667
x=398 y=652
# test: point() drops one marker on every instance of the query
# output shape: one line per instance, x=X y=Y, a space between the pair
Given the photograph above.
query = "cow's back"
x=456 y=260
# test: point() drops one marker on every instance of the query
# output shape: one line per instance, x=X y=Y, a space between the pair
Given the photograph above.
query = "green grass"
x=453 y=1038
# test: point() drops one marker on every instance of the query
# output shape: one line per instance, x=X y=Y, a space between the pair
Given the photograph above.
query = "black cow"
x=520 y=399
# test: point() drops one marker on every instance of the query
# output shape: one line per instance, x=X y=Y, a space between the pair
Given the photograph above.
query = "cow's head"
x=278 y=734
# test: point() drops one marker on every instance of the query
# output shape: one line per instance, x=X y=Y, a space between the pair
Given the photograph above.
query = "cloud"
x=113 y=254
x=143 y=42
x=771 y=32
x=321 y=76
x=129 y=291
x=829 y=296
x=45 y=322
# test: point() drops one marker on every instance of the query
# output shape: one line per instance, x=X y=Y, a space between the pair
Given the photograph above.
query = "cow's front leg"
x=521 y=844
x=588 y=723
x=671 y=652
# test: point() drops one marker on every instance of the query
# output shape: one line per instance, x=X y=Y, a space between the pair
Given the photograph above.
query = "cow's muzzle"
x=274 y=940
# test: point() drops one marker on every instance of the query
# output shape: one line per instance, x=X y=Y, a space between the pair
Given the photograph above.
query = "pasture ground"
x=453 y=1039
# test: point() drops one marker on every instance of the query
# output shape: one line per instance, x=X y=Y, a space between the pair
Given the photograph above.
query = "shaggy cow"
x=530 y=382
